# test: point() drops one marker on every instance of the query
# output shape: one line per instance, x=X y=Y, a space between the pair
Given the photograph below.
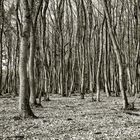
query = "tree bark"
x=106 y=64
x=32 y=52
x=24 y=107
x=1 y=39
x=116 y=50
x=99 y=63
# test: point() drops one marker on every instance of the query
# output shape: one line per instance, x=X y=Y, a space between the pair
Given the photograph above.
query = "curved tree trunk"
x=99 y=64
x=105 y=48
x=116 y=50
x=32 y=51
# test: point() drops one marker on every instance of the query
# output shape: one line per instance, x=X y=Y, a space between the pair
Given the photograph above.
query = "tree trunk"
x=24 y=107
x=116 y=50
x=32 y=50
x=1 y=39
x=99 y=64
x=106 y=64
x=31 y=68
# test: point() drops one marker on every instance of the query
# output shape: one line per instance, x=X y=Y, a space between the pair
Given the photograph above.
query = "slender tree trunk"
x=1 y=39
x=116 y=50
x=31 y=68
x=106 y=64
x=32 y=51
x=99 y=64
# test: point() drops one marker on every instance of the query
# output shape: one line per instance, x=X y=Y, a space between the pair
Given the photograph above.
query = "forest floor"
x=70 y=118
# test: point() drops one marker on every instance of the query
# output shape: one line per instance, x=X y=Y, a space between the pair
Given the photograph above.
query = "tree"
x=99 y=61
x=34 y=17
x=24 y=107
x=118 y=57
x=72 y=46
x=1 y=38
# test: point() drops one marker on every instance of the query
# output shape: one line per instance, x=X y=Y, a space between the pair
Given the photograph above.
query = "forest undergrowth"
x=70 y=118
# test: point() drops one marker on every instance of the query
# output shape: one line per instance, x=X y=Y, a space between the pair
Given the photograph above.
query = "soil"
x=70 y=118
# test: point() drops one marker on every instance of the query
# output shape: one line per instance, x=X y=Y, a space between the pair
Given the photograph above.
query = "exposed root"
x=130 y=106
x=36 y=105
x=27 y=116
x=39 y=105
x=93 y=100
x=48 y=99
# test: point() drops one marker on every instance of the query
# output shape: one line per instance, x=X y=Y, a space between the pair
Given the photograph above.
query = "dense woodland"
x=69 y=47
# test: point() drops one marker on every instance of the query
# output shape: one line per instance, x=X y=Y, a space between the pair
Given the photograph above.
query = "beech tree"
x=71 y=47
x=118 y=57
x=24 y=107
x=1 y=39
x=34 y=17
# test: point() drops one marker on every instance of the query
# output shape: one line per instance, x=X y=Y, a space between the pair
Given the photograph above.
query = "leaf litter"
x=71 y=119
